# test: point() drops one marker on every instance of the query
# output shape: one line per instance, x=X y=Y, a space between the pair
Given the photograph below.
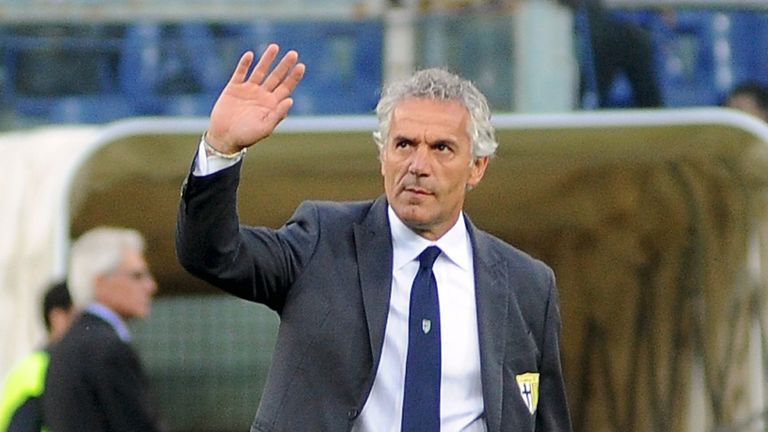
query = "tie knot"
x=428 y=256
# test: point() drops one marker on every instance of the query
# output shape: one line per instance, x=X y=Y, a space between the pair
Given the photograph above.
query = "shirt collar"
x=407 y=245
x=111 y=318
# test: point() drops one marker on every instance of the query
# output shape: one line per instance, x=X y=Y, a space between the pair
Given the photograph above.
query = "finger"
x=281 y=112
x=290 y=82
x=265 y=61
x=282 y=69
x=241 y=69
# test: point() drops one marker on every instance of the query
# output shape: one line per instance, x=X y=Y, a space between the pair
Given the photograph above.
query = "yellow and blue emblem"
x=529 y=389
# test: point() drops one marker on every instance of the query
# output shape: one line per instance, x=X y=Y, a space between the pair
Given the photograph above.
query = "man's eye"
x=442 y=147
x=402 y=143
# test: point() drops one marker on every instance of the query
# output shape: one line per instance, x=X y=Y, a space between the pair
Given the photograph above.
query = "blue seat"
x=343 y=59
x=139 y=68
x=201 y=54
x=89 y=109
x=749 y=43
x=693 y=71
x=645 y=18
x=189 y=105
x=621 y=95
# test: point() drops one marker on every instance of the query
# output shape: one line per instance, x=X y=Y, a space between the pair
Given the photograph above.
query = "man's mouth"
x=417 y=190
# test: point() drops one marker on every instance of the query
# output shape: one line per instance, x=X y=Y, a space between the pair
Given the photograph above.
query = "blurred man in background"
x=95 y=380
x=21 y=403
x=617 y=47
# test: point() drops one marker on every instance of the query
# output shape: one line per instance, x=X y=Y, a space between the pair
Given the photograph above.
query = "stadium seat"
x=343 y=62
x=748 y=38
x=693 y=57
x=89 y=109
x=140 y=60
x=189 y=105
x=200 y=52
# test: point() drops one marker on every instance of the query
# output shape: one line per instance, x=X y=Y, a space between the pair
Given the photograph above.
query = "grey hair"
x=98 y=252
x=439 y=84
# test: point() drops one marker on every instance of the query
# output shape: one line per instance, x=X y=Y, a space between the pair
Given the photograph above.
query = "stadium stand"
x=701 y=53
x=58 y=73
x=146 y=67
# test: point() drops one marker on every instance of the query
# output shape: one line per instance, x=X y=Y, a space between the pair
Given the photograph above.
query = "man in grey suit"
x=95 y=380
x=396 y=314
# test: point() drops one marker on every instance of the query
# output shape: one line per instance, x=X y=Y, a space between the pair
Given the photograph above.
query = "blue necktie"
x=421 y=400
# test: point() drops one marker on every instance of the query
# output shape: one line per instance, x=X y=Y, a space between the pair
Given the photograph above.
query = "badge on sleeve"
x=529 y=389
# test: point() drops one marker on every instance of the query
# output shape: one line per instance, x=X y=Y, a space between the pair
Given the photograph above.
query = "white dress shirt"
x=461 y=398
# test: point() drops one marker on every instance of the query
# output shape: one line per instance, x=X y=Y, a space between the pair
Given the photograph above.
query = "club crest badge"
x=426 y=325
x=529 y=390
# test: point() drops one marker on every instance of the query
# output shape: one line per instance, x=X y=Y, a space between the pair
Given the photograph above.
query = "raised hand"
x=250 y=107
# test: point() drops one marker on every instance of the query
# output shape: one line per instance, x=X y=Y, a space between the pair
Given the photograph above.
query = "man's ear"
x=477 y=171
x=382 y=158
x=100 y=283
x=60 y=319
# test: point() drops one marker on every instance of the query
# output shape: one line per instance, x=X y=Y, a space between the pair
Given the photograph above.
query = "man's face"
x=60 y=319
x=427 y=164
x=128 y=290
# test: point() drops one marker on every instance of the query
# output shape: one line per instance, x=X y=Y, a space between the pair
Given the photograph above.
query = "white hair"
x=439 y=84
x=98 y=252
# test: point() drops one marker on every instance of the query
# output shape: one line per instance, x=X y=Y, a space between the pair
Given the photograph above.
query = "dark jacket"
x=95 y=382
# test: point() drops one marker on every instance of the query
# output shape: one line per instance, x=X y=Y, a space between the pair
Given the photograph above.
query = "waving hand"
x=250 y=107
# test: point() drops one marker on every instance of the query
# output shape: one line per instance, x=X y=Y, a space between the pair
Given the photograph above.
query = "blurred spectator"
x=750 y=97
x=95 y=380
x=21 y=404
x=617 y=47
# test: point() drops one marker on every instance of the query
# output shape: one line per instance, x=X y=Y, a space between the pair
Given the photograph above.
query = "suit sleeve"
x=553 y=414
x=254 y=263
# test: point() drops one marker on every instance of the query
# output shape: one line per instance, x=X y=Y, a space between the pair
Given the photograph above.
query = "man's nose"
x=419 y=162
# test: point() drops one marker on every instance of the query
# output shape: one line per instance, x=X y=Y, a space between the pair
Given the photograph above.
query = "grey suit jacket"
x=328 y=273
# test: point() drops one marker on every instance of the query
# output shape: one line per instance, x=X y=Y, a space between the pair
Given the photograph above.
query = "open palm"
x=250 y=107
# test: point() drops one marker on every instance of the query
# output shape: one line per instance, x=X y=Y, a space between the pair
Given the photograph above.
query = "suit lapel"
x=492 y=297
x=373 y=246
